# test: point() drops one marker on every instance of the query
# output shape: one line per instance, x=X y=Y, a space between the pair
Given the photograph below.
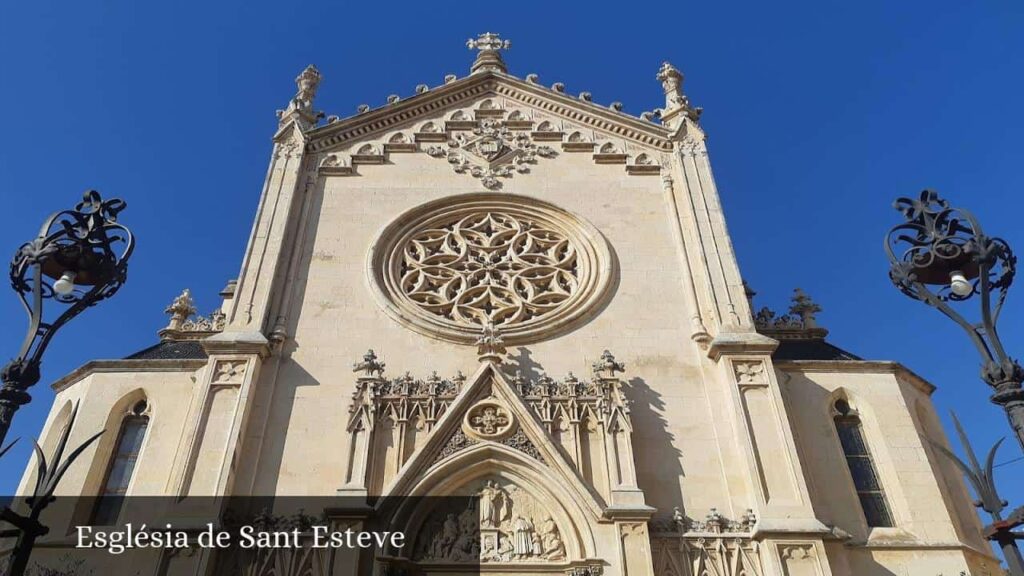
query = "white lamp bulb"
x=66 y=284
x=958 y=283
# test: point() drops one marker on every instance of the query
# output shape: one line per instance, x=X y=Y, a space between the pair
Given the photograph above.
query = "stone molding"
x=492 y=138
x=607 y=120
x=115 y=366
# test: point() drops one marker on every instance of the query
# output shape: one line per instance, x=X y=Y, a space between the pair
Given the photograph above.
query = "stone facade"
x=492 y=239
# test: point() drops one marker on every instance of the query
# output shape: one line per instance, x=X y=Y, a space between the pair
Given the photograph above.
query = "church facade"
x=493 y=288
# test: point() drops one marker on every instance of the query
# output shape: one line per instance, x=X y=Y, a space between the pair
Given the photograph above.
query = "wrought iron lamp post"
x=942 y=257
x=79 y=258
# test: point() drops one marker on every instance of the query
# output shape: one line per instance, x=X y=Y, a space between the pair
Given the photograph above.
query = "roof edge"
x=102 y=366
x=388 y=115
x=864 y=366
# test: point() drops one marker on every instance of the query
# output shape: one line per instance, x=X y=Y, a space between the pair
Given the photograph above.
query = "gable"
x=489 y=414
x=491 y=127
x=548 y=104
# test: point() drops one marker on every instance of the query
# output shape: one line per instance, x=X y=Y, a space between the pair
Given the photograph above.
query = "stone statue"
x=523 y=534
x=491 y=503
x=446 y=538
x=554 y=549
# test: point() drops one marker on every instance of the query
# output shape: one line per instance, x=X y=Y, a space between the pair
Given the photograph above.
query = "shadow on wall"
x=276 y=411
x=654 y=448
x=524 y=365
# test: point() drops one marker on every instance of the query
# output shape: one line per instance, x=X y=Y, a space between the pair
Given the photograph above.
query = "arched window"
x=862 y=467
x=122 y=465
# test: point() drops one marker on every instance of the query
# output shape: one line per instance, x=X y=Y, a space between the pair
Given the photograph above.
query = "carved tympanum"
x=507 y=525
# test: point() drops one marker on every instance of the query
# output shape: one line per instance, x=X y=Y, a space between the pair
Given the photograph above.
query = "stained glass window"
x=122 y=466
x=862 y=467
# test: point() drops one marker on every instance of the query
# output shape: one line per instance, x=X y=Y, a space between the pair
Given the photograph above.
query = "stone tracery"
x=489 y=267
x=455 y=266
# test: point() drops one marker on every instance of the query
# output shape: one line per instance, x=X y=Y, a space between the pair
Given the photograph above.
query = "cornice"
x=559 y=104
x=858 y=367
x=113 y=366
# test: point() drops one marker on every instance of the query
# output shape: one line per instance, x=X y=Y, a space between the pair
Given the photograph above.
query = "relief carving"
x=509 y=525
x=488 y=420
x=229 y=372
x=751 y=373
x=493 y=150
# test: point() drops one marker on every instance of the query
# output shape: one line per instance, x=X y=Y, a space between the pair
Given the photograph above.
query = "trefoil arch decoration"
x=450 y=267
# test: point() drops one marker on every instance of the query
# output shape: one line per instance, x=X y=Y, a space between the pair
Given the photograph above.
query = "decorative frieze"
x=703 y=556
x=685 y=546
x=567 y=404
x=679 y=524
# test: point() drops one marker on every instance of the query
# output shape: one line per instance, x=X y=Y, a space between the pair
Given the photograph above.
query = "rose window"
x=486 y=258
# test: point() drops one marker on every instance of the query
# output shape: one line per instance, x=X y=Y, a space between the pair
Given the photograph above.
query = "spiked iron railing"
x=1000 y=530
x=27 y=525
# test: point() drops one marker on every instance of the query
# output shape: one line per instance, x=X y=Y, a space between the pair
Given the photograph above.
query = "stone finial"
x=489 y=55
x=750 y=293
x=748 y=520
x=672 y=81
x=607 y=366
x=300 y=108
x=805 y=308
x=679 y=520
x=714 y=521
x=676 y=102
x=370 y=365
x=490 y=346
x=180 y=310
x=307 y=82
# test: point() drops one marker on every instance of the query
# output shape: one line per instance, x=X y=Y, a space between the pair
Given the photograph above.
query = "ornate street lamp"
x=79 y=258
x=941 y=256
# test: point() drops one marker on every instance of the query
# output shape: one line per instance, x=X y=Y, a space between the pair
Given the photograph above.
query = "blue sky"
x=818 y=114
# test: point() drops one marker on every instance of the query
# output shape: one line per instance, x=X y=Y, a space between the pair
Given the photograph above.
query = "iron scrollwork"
x=85 y=246
x=938 y=243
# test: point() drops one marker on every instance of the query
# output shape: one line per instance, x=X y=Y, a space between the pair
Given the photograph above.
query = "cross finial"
x=489 y=58
x=805 y=308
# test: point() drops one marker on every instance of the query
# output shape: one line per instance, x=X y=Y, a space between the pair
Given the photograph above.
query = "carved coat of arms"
x=491 y=151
